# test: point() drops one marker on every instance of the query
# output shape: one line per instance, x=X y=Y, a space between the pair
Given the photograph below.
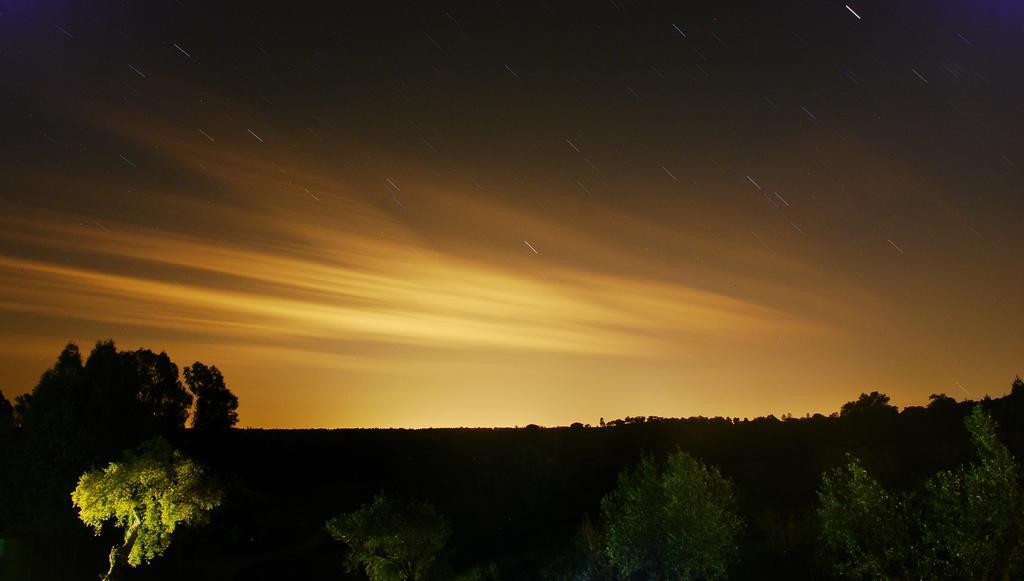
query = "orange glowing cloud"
x=367 y=309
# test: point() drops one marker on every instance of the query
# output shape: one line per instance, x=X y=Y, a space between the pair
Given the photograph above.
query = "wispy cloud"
x=242 y=264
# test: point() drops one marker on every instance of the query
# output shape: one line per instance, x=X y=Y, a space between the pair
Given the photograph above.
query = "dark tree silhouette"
x=6 y=416
x=941 y=402
x=216 y=407
x=6 y=449
x=59 y=440
x=160 y=391
x=133 y=395
x=1018 y=386
x=868 y=404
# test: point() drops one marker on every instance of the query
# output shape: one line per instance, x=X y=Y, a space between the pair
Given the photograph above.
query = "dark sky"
x=494 y=214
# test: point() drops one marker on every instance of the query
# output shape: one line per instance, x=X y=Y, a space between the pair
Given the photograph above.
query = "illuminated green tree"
x=967 y=523
x=863 y=527
x=676 y=523
x=148 y=494
x=975 y=514
x=392 y=539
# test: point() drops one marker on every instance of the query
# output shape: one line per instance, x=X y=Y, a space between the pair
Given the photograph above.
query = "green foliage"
x=216 y=406
x=593 y=560
x=863 y=527
x=967 y=524
x=148 y=494
x=974 y=519
x=392 y=539
x=487 y=572
x=676 y=523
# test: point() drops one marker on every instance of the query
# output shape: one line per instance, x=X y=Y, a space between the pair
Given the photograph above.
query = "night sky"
x=482 y=213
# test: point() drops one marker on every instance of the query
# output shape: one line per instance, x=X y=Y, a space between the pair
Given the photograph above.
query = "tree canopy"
x=862 y=525
x=974 y=517
x=393 y=539
x=6 y=412
x=679 y=522
x=148 y=494
x=83 y=414
x=112 y=402
x=216 y=407
x=966 y=523
x=868 y=404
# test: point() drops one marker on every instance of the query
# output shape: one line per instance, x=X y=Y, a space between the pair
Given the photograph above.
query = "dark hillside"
x=516 y=497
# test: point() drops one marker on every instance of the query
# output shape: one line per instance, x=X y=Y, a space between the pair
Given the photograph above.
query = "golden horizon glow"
x=327 y=306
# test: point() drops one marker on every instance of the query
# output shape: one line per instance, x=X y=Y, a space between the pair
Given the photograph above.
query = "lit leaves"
x=148 y=494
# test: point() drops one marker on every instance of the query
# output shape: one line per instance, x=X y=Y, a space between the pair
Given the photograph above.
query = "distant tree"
x=1018 y=386
x=868 y=404
x=216 y=407
x=941 y=402
x=6 y=416
x=680 y=522
x=148 y=494
x=392 y=539
x=863 y=527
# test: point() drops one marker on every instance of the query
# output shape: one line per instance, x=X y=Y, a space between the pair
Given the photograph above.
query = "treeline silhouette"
x=118 y=464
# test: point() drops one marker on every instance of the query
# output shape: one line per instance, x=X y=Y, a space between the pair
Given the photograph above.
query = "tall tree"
x=679 y=522
x=216 y=407
x=81 y=415
x=134 y=394
x=59 y=438
x=393 y=539
x=6 y=460
x=148 y=494
x=160 y=392
x=6 y=417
